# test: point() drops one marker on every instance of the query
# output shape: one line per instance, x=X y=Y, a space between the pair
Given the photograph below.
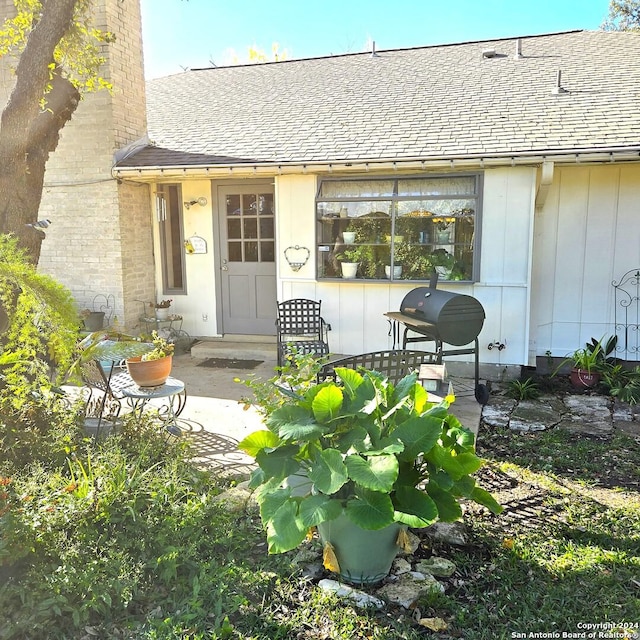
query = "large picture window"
x=169 y=211
x=398 y=228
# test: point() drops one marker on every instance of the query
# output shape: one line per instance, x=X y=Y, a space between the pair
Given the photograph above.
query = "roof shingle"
x=431 y=102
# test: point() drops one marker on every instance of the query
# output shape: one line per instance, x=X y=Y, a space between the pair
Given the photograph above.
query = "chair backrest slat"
x=299 y=317
x=394 y=364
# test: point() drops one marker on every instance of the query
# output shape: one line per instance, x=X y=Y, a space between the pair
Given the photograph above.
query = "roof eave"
x=262 y=169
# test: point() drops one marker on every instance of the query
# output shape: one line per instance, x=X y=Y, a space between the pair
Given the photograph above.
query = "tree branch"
x=32 y=76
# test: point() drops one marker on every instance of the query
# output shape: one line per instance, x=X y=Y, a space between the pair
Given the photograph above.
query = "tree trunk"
x=28 y=134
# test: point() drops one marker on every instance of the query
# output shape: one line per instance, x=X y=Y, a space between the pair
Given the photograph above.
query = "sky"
x=192 y=34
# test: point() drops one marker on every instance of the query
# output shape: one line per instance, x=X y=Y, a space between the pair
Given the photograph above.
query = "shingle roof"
x=432 y=102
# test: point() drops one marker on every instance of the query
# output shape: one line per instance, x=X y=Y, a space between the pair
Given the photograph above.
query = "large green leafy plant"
x=377 y=452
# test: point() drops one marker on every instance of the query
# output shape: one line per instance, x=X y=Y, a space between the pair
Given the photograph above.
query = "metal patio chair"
x=104 y=402
x=395 y=364
x=300 y=327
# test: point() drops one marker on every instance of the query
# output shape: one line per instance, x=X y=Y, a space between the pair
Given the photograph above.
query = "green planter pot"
x=364 y=556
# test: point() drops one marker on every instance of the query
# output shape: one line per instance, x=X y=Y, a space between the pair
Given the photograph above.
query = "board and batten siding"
x=355 y=309
x=587 y=235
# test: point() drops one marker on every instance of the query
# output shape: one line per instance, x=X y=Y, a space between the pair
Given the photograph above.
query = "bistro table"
x=173 y=391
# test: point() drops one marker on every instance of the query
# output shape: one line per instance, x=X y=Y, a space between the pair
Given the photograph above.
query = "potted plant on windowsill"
x=349 y=262
x=443 y=262
x=153 y=367
x=379 y=458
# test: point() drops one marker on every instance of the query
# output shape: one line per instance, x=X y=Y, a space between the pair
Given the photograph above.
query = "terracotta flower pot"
x=151 y=373
x=582 y=379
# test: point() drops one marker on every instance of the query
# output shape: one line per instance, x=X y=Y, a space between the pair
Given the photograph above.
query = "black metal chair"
x=104 y=401
x=300 y=327
x=394 y=364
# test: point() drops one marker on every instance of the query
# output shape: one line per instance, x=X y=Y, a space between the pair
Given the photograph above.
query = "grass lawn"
x=126 y=540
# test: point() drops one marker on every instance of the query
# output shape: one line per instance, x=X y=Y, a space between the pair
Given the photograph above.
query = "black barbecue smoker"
x=441 y=317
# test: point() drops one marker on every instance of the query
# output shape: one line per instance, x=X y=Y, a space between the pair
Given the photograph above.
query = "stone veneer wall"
x=100 y=239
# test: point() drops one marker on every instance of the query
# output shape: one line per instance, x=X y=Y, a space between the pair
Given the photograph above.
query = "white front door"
x=247 y=259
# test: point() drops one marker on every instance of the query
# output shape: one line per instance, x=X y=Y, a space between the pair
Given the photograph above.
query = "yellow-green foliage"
x=78 y=54
x=42 y=328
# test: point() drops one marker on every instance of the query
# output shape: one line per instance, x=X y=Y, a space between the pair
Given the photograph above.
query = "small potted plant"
x=153 y=367
x=378 y=458
x=443 y=262
x=161 y=309
x=588 y=363
x=349 y=262
x=92 y=320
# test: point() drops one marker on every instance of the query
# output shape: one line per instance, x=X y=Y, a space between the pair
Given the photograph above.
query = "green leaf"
x=406 y=387
x=442 y=479
x=419 y=435
x=310 y=430
x=329 y=472
x=284 y=530
x=327 y=403
x=468 y=462
x=386 y=445
x=370 y=510
x=483 y=497
x=455 y=465
x=288 y=414
x=280 y=462
x=448 y=508
x=414 y=507
x=463 y=437
x=350 y=379
x=317 y=509
x=377 y=473
x=257 y=441
x=463 y=487
x=355 y=437
x=257 y=478
x=365 y=398
x=271 y=501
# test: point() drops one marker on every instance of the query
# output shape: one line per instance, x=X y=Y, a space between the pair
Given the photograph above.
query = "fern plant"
x=37 y=338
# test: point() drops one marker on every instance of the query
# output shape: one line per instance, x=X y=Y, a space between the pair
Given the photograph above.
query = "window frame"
x=164 y=191
x=322 y=246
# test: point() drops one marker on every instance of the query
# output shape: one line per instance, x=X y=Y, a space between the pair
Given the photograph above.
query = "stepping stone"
x=537 y=415
x=590 y=415
x=497 y=413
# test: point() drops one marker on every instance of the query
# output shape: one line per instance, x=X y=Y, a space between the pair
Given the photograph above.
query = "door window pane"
x=235 y=251
x=250 y=227
x=234 y=228
x=265 y=204
x=266 y=227
x=267 y=253
x=249 y=204
x=233 y=205
x=251 y=252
